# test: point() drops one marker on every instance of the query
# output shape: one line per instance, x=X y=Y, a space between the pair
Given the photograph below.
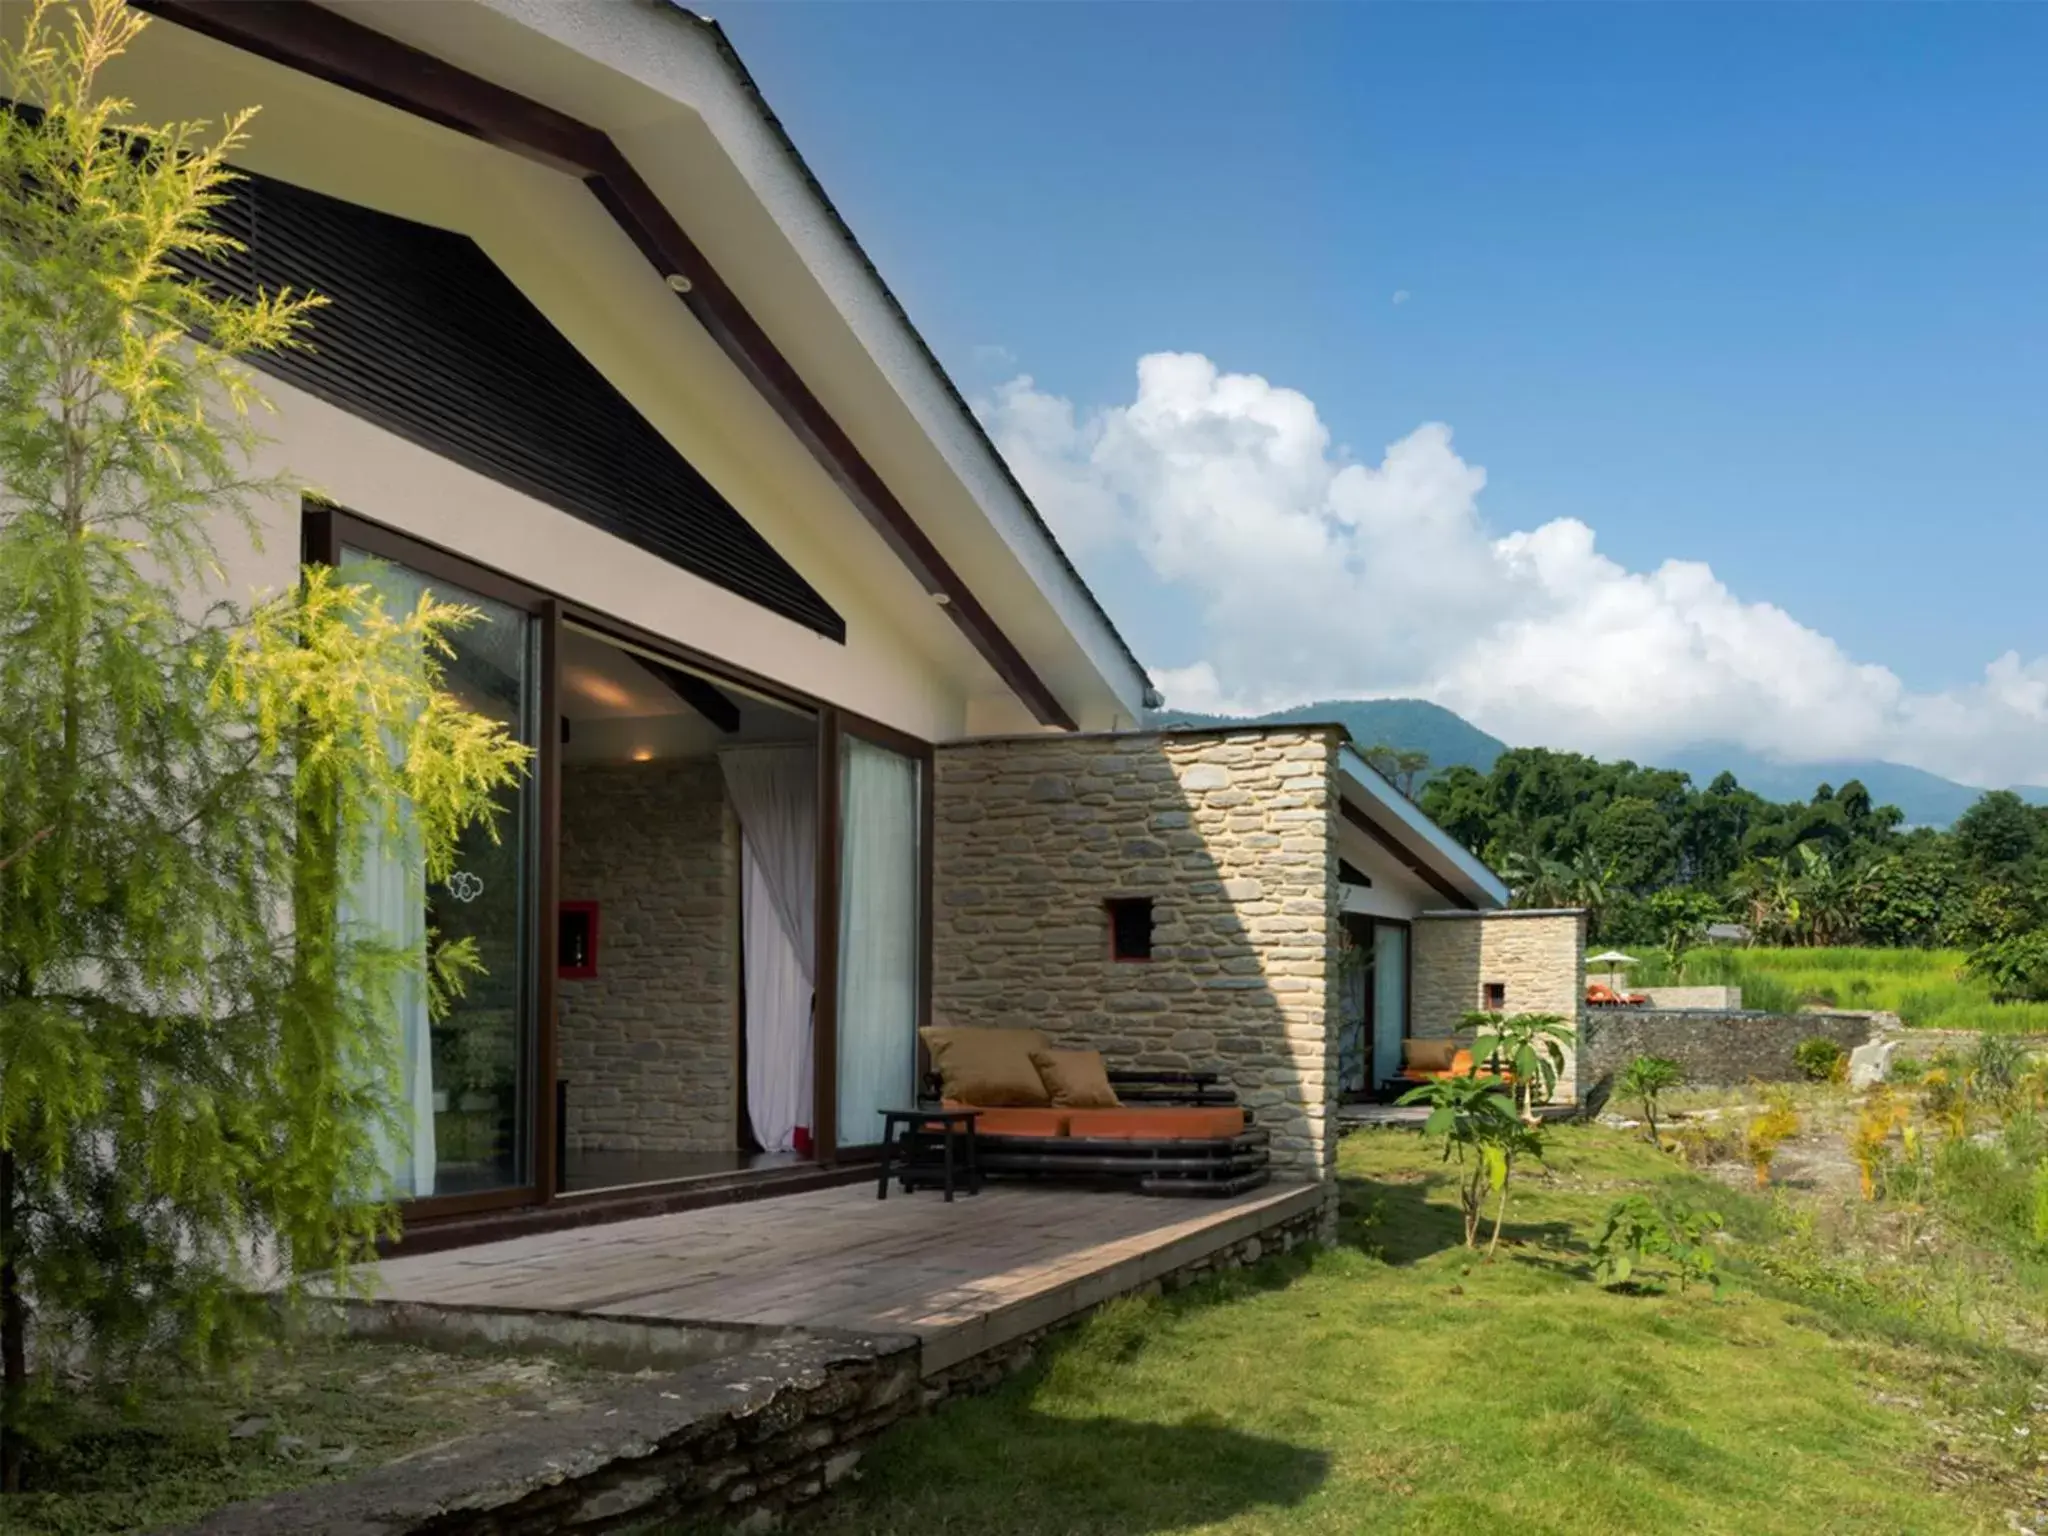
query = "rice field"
x=1924 y=987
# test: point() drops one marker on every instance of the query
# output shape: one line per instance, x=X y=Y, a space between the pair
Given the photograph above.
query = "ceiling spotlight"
x=680 y=283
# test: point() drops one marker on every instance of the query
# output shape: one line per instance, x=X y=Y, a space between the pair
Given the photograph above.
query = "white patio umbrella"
x=1614 y=960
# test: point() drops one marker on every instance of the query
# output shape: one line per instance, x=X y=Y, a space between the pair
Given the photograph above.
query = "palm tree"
x=1770 y=893
x=1536 y=880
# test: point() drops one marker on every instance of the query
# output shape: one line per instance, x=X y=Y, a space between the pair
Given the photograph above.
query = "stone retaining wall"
x=649 y=1044
x=741 y=1442
x=1232 y=836
x=1715 y=1049
x=988 y=1369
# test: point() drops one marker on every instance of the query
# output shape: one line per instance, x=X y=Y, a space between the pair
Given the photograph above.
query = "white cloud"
x=1319 y=576
x=1401 y=296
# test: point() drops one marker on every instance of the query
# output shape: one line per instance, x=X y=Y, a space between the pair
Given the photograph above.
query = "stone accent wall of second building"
x=1232 y=837
x=649 y=1045
x=1538 y=957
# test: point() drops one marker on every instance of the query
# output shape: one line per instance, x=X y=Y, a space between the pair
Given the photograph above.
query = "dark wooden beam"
x=312 y=40
x=695 y=692
x=1400 y=850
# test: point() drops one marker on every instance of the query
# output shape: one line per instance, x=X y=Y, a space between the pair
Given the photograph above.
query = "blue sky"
x=1765 y=288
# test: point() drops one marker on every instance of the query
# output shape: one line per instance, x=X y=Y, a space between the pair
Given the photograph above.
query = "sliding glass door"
x=1389 y=998
x=880 y=935
x=467 y=1099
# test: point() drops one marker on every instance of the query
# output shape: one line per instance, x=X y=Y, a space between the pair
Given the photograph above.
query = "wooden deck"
x=966 y=1277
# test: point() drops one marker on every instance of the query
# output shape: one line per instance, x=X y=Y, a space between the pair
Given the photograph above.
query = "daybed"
x=1424 y=1061
x=1052 y=1114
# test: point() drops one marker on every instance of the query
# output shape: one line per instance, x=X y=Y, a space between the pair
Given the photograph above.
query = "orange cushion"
x=1017 y=1122
x=1164 y=1123
x=1076 y=1079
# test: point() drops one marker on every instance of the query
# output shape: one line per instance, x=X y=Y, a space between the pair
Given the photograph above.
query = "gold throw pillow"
x=1076 y=1079
x=987 y=1068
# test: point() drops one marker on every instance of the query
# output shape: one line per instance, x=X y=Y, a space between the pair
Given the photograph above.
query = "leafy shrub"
x=2015 y=968
x=1644 y=1080
x=1702 y=1143
x=1870 y=1138
x=1996 y=1065
x=1637 y=1229
x=1945 y=1094
x=1820 y=1059
x=1766 y=1132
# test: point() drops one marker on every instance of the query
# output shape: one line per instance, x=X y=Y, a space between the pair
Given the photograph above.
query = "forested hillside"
x=1655 y=859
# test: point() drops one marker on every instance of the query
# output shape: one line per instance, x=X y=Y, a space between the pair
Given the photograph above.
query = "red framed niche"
x=576 y=951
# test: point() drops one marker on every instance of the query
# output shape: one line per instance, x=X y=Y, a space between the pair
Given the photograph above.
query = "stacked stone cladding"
x=650 y=1044
x=1232 y=835
x=1538 y=958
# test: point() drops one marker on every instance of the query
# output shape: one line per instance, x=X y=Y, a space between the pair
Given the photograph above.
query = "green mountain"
x=1410 y=725
x=1414 y=725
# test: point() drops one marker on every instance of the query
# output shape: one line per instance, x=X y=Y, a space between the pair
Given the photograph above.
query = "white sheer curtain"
x=386 y=902
x=878 y=926
x=774 y=791
x=1389 y=999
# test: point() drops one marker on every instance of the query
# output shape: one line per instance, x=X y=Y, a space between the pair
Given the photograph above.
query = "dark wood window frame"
x=326 y=530
x=1127 y=946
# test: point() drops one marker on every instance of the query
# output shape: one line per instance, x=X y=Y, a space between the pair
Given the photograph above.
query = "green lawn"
x=328 y=1409
x=1925 y=987
x=1391 y=1384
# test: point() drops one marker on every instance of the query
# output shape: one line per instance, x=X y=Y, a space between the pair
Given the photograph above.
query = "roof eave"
x=1423 y=837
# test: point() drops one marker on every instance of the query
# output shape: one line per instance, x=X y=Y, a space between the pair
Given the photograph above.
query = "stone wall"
x=650 y=1044
x=1714 y=1048
x=744 y=1443
x=1232 y=836
x=1538 y=957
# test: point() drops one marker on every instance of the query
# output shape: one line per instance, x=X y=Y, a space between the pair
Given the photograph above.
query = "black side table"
x=920 y=1129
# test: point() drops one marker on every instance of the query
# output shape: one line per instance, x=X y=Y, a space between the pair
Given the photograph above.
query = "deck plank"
x=963 y=1277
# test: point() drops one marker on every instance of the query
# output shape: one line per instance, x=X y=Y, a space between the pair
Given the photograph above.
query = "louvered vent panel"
x=425 y=337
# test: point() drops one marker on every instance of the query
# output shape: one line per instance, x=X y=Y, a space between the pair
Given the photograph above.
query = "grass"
x=1924 y=987
x=1392 y=1384
x=329 y=1409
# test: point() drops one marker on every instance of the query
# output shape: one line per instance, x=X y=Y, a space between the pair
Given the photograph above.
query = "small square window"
x=1130 y=927
x=1494 y=996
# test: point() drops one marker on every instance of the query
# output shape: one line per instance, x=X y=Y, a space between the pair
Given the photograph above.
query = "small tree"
x=1484 y=1136
x=1637 y=1229
x=198 y=1062
x=1645 y=1079
x=1530 y=1046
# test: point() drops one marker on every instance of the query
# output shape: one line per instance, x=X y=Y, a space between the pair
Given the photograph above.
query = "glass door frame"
x=1372 y=1001
x=839 y=725
x=327 y=530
